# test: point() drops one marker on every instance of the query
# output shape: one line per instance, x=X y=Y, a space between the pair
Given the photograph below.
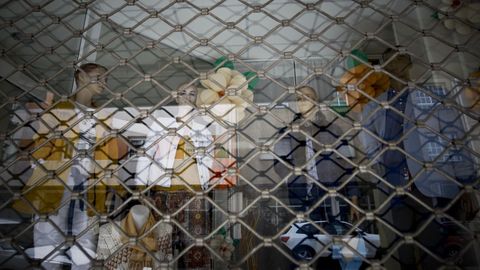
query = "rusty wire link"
x=423 y=207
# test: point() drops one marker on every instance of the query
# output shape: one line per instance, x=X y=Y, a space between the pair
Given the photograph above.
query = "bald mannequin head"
x=90 y=81
x=304 y=100
x=308 y=91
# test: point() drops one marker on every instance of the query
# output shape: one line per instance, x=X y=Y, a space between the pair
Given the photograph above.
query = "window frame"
x=450 y=155
x=424 y=100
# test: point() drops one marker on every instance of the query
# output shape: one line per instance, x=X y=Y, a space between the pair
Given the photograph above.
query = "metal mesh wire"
x=376 y=165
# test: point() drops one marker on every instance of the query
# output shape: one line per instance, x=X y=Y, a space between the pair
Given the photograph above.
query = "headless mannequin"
x=140 y=214
x=187 y=96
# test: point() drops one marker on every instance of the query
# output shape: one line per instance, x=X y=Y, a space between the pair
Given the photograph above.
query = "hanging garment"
x=195 y=218
x=388 y=125
x=326 y=167
x=71 y=219
x=452 y=165
x=53 y=163
x=311 y=166
x=128 y=257
x=71 y=223
x=164 y=242
x=164 y=151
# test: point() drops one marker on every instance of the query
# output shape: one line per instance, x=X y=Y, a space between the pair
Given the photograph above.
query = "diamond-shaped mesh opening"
x=239 y=134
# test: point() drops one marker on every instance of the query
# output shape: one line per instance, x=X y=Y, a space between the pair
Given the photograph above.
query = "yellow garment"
x=472 y=94
x=45 y=192
x=374 y=84
x=138 y=258
x=186 y=173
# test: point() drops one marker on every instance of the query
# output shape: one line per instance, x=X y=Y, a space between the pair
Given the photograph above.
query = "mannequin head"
x=305 y=105
x=140 y=215
x=90 y=82
x=186 y=94
x=400 y=65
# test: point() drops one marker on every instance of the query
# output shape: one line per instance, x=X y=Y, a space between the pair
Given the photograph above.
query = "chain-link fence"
x=239 y=134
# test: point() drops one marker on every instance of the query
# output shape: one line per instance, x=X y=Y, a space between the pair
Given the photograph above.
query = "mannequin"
x=305 y=106
x=390 y=164
x=186 y=94
x=137 y=223
x=165 y=151
x=303 y=191
x=140 y=214
x=68 y=214
x=199 y=137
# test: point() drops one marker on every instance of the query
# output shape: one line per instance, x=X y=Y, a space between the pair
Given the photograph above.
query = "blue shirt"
x=425 y=145
x=387 y=125
x=422 y=144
